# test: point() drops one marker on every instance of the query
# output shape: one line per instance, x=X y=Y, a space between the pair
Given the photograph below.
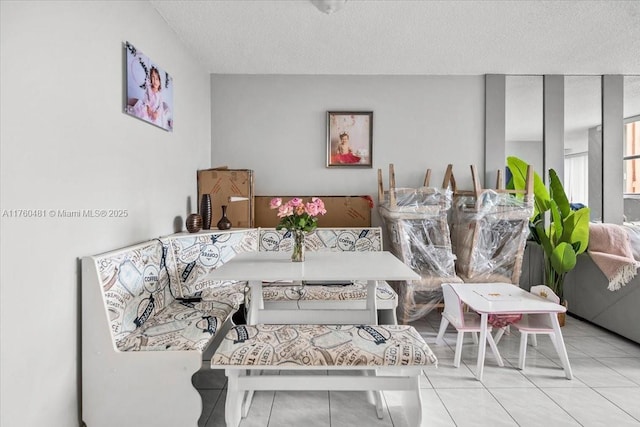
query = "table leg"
x=482 y=345
x=372 y=286
x=372 y=301
x=494 y=349
x=560 y=347
x=256 y=303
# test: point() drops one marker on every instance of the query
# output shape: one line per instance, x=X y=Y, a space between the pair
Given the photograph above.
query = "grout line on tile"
x=445 y=407
x=612 y=402
x=502 y=406
x=560 y=406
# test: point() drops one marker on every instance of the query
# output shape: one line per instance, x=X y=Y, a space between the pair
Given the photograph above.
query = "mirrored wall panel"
x=582 y=130
x=523 y=119
x=592 y=174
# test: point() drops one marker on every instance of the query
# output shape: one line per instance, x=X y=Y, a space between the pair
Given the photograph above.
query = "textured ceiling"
x=409 y=37
x=403 y=37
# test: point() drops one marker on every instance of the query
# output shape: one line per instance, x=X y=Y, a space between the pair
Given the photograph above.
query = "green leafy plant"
x=567 y=234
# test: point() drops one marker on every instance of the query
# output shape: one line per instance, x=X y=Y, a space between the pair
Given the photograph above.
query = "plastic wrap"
x=488 y=235
x=418 y=234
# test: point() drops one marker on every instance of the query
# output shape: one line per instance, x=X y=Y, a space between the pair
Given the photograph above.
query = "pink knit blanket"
x=610 y=249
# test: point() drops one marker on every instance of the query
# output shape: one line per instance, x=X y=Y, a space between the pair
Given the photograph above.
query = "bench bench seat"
x=323 y=345
x=312 y=295
x=397 y=352
x=180 y=326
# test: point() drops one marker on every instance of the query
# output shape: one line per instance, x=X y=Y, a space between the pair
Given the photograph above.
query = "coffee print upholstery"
x=323 y=345
x=193 y=256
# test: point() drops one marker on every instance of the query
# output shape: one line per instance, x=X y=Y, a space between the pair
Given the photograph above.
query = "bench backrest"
x=135 y=285
x=139 y=281
x=192 y=256
x=324 y=239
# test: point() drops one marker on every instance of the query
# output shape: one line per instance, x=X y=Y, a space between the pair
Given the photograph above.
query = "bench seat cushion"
x=179 y=326
x=323 y=345
x=387 y=299
x=228 y=291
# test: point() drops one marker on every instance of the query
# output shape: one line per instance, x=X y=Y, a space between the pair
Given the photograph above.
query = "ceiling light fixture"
x=329 y=6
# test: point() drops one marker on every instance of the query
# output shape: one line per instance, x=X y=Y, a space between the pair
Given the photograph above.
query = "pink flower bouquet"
x=297 y=215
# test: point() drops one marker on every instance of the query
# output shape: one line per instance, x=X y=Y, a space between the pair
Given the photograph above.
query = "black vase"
x=224 y=223
x=205 y=211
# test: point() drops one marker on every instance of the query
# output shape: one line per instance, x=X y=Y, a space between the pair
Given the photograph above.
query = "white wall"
x=276 y=125
x=66 y=144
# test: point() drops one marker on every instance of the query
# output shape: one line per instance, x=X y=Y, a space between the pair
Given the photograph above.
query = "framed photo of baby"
x=149 y=95
x=349 y=139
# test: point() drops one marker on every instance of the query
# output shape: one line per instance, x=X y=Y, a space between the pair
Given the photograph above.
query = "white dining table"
x=277 y=268
x=505 y=298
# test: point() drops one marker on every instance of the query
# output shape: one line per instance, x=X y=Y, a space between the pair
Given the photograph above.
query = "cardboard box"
x=342 y=211
x=222 y=183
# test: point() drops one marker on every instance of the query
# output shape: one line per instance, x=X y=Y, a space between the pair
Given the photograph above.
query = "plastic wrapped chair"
x=489 y=229
x=417 y=226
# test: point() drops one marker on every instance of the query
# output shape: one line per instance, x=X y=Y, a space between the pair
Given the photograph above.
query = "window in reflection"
x=632 y=157
x=582 y=130
x=576 y=178
x=631 y=152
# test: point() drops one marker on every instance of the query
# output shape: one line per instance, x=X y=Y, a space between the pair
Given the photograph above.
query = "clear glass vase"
x=298 y=246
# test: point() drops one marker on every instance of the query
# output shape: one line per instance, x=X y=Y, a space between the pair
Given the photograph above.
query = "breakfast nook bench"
x=392 y=358
x=145 y=331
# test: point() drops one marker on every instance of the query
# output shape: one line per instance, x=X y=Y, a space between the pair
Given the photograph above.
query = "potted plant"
x=567 y=234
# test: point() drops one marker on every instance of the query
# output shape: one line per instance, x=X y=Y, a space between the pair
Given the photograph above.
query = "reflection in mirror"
x=523 y=119
x=582 y=130
x=632 y=148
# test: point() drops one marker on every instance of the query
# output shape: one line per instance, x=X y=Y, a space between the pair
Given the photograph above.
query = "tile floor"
x=605 y=390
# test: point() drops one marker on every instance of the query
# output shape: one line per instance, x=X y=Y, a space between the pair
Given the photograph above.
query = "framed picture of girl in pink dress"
x=149 y=90
x=349 y=139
